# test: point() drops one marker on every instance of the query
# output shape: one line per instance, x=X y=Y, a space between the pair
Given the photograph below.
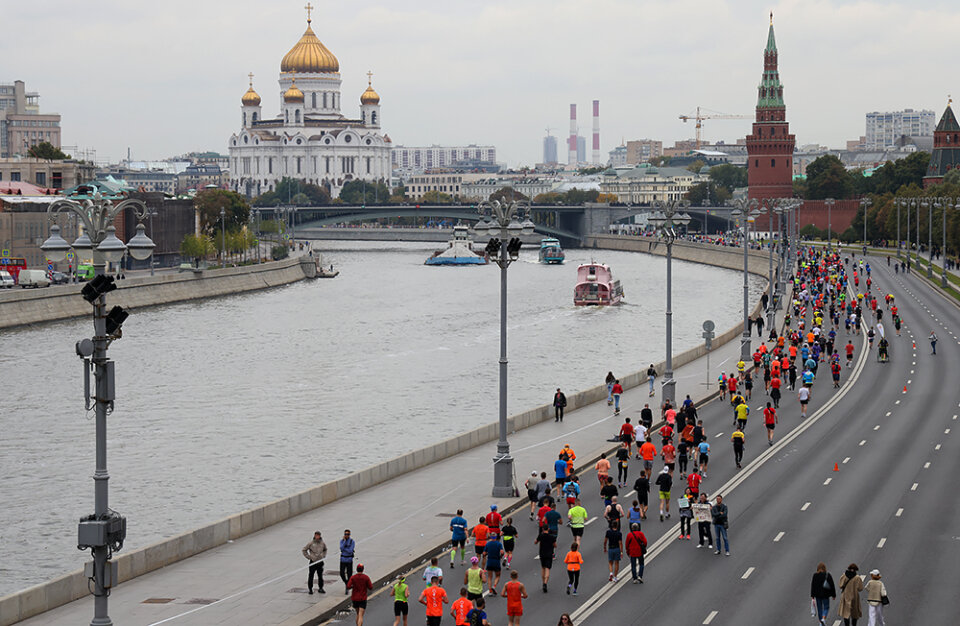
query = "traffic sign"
x=708 y=325
x=5 y=253
x=69 y=256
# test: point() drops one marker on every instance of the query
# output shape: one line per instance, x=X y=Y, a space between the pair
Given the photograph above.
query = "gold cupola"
x=369 y=96
x=293 y=94
x=310 y=56
x=251 y=98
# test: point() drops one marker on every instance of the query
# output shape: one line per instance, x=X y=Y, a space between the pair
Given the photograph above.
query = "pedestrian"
x=634 y=514
x=577 y=518
x=933 y=341
x=609 y=491
x=623 y=461
x=704 y=450
x=474 y=578
x=636 y=546
x=651 y=376
x=315 y=552
x=509 y=538
x=609 y=380
x=642 y=487
x=553 y=519
x=361 y=585
x=565 y=620
x=850 y=587
x=686 y=513
x=738 y=439
x=493 y=520
x=531 y=486
x=821 y=590
x=701 y=512
x=646 y=416
x=495 y=553
x=876 y=595
x=560 y=472
x=759 y=324
x=770 y=420
x=648 y=452
x=574 y=561
x=613 y=512
x=543 y=489
x=477 y=616
x=613 y=546
x=433 y=571
x=515 y=593
x=401 y=601
x=603 y=469
x=459 y=609
x=803 y=395
x=480 y=534
x=627 y=432
x=434 y=597
x=347 y=552
x=458 y=534
x=559 y=403
x=617 y=391
x=742 y=411
x=664 y=482
x=719 y=514
x=546 y=544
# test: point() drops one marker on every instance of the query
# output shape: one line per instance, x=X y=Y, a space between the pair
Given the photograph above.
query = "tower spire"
x=309 y=8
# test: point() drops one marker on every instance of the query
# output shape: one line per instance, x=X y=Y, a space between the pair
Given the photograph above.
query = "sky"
x=165 y=78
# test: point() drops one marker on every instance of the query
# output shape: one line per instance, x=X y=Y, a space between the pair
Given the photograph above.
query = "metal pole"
x=919 y=206
x=745 y=340
x=223 y=239
x=899 y=203
x=152 y=213
x=829 y=203
x=945 y=202
x=909 y=204
x=669 y=385
x=930 y=236
x=503 y=463
x=770 y=272
x=101 y=477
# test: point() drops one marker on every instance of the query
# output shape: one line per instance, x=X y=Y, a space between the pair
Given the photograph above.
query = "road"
x=884 y=506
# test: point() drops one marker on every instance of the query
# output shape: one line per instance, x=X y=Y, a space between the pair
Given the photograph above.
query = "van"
x=85 y=272
x=33 y=278
x=6 y=280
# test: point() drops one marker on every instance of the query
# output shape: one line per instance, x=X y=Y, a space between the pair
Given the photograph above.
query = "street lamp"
x=898 y=202
x=748 y=209
x=501 y=221
x=104 y=531
x=776 y=207
x=944 y=204
x=829 y=202
x=911 y=204
x=865 y=203
x=664 y=220
x=223 y=238
x=928 y=202
x=153 y=213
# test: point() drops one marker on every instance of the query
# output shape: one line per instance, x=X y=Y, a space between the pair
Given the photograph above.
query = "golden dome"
x=251 y=98
x=310 y=56
x=293 y=94
x=369 y=96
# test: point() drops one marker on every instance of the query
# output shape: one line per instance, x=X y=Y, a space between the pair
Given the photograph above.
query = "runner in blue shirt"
x=704 y=449
x=560 y=472
x=458 y=528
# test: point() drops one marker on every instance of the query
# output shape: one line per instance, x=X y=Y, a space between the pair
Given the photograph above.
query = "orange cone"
x=914 y=345
x=904 y=389
x=836 y=467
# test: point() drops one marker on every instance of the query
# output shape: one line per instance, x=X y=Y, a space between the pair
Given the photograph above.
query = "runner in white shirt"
x=803 y=395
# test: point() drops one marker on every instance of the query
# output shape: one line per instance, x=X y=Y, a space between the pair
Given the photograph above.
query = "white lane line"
x=899 y=512
x=590 y=521
x=888 y=414
x=909 y=381
x=747 y=573
x=898 y=402
x=946 y=432
x=710 y=617
x=805 y=506
x=718 y=435
x=914 y=486
x=911 y=371
x=936 y=447
x=954 y=417
x=862 y=442
x=779 y=536
x=877 y=427
x=846 y=460
x=827 y=481
x=882 y=541
x=914 y=363
x=926 y=465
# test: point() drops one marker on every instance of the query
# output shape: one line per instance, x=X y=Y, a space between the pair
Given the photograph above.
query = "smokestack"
x=572 y=142
x=596 y=132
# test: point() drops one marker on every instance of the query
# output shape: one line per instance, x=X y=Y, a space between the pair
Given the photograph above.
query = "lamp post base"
x=745 y=353
x=668 y=390
x=503 y=476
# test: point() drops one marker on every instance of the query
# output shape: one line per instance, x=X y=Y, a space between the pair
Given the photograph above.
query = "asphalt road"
x=887 y=506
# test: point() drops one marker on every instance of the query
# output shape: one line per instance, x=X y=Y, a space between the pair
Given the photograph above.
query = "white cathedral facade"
x=310 y=140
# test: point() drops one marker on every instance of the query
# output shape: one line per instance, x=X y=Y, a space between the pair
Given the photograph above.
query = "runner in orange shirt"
x=461 y=606
x=480 y=532
x=434 y=597
x=514 y=592
x=574 y=561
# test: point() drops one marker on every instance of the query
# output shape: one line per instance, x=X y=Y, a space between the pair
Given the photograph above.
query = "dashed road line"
x=888 y=414
x=862 y=442
x=827 y=481
x=946 y=432
x=779 y=536
x=718 y=435
x=914 y=486
x=747 y=573
x=936 y=447
x=805 y=506
x=926 y=465
x=882 y=541
x=899 y=512
x=846 y=460
x=877 y=427
x=710 y=617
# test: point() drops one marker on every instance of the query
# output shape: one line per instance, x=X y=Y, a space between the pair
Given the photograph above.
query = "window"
x=348 y=139
x=773 y=162
x=324 y=99
x=42 y=179
x=296 y=117
x=756 y=162
x=254 y=116
x=15 y=176
x=313 y=99
x=373 y=118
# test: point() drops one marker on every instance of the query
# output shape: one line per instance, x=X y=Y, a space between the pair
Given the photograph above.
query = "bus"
x=13 y=265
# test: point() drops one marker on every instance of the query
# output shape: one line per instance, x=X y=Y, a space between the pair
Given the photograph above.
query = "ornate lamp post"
x=898 y=202
x=928 y=202
x=829 y=202
x=943 y=204
x=223 y=238
x=865 y=203
x=665 y=219
x=774 y=290
x=104 y=531
x=748 y=210
x=502 y=222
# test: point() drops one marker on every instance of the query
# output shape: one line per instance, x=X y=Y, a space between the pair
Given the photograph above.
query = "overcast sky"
x=164 y=78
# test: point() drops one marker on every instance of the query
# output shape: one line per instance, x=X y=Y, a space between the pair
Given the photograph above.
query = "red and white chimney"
x=572 y=141
x=596 y=132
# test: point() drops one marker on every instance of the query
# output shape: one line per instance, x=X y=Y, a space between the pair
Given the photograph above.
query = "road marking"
x=827 y=481
x=897 y=402
x=946 y=432
x=862 y=442
x=882 y=541
x=926 y=465
x=910 y=382
x=779 y=536
x=718 y=435
x=709 y=617
x=747 y=573
x=877 y=427
x=888 y=414
x=936 y=447
x=954 y=417
x=805 y=506
x=914 y=487
x=590 y=521
x=911 y=371
x=914 y=361
x=846 y=460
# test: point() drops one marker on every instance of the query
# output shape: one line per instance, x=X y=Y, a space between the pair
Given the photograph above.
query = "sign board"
x=708 y=326
x=5 y=253
x=701 y=513
x=70 y=256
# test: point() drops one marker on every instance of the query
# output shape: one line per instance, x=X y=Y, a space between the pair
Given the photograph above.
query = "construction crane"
x=712 y=115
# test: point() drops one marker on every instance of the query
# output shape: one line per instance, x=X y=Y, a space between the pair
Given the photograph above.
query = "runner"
x=571 y=490
x=649 y=452
x=509 y=539
x=803 y=395
x=401 y=601
x=642 y=487
x=770 y=420
x=433 y=597
x=474 y=578
x=613 y=546
x=742 y=412
x=361 y=585
x=664 y=482
x=433 y=571
x=669 y=455
x=849 y=350
x=493 y=520
x=775 y=384
x=627 y=433
x=480 y=533
x=617 y=390
x=546 y=544
x=738 y=439
x=461 y=606
x=577 y=518
x=704 y=449
x=603 y=469
x=574 y=561
x=560 y=472
x=835 y=371
x=477 y=616
x=609 y=491
x=515 y=593
x=531 y=485
x=494 y=552
x=623 y=460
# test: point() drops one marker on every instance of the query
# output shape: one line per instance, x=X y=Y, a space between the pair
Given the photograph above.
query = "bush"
x=279 y=252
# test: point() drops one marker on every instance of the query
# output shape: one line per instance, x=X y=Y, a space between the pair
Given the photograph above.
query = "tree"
x=606 y=197
x=288 y=188
x=209 y=202
x=660 y=161
x=828 y=178
x=436 y=197
x=696 y=166
x=577 y=196
x=729 y=176
x=715 y=194
x=507 y=194
x=301 y=199
x=587 y=171
x=896 y=174
x=364 y=192
x=550 y=197
x=811 y=232
x=197 y=246
x=46 y=150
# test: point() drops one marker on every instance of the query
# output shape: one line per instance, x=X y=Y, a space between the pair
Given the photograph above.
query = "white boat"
x=459 y=251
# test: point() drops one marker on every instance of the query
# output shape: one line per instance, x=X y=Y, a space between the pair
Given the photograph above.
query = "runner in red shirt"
x=849 y=349
x=493 y=520
x=693 y=481
x=627 y=433
x=770 y=420
x=360 y=584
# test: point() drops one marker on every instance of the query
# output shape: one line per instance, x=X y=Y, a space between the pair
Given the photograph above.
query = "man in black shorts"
x=546 y=543
x=646 y=416
x=360 y=584
x=642 y=487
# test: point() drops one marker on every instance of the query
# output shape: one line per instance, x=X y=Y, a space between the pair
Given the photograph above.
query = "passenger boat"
x=550 y=251
x=459 y=251
x=596 y=287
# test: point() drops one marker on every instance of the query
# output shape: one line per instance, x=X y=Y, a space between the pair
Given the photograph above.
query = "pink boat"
x=596 y=287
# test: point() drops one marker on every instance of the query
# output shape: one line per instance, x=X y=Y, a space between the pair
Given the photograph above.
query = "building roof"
x=948 y=122
x=20 y=188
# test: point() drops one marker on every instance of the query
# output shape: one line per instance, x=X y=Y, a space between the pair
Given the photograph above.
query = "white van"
x=33 y=278
x=6 y=280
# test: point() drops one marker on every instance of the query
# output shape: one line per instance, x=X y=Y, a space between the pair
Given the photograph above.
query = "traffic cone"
x=836 y=467
x=904 y=389
x=914 y=345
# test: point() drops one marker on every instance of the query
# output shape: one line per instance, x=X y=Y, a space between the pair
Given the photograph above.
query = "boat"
x=596 y=287
x=459 y=251
x=550 y=251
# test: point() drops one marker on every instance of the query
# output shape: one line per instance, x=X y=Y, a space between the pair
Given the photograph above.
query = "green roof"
x=770 y=91
x=949 y=121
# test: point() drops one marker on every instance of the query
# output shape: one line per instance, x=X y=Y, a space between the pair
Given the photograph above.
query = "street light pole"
x=865 y=203
x=912 y=203
x=829 y=202
x=104 y=531
x=745 y=208
x=944 y=203
x=501 y=220
x=930 y=202
x=665 y=219
x=898 y=202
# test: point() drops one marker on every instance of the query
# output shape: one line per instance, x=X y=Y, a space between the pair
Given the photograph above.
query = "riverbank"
x=22 y=307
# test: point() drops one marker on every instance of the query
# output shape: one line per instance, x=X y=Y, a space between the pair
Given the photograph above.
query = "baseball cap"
x=493 y=507
x=875 y=572
x=533 y=473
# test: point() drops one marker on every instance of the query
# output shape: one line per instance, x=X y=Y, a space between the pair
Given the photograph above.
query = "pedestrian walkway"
x=261 y=578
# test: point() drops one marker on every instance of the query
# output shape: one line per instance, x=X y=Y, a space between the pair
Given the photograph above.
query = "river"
x=229 y=403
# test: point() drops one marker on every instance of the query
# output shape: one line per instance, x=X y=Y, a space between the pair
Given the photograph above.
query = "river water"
x=229 y=403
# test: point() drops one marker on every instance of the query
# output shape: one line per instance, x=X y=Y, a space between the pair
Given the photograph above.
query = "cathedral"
x=310 y=140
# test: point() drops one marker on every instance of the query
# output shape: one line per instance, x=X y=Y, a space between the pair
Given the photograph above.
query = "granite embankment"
x=20 y=307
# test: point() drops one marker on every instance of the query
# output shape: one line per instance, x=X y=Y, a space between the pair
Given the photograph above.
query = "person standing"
x=876 y=592
x=821 y=590
x=515 y=593
x=559 y=403
x=636 y=546
x=574 y=561
x=609 y=381
x=458 y=534
x=434 y=597
x=613 y=546
x=686 y=513
x=651 y=376
x=849 y=608
x=401 y=601
x=738 y=439
x=361 y=585
x=704 y=519
x=315 y=552
x=759 y=324
x=933 y=341
x=347 y=552
x=719 y=514
x=617 y=392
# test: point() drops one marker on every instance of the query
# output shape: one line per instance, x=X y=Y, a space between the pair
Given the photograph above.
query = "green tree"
x=364 y=192
x=696 y=166
x=46 y=150
x=550 y=197
x=577 y=196
x=209 y=202
x=660 y=161
x=586 y=171
x=197 y=246
x=897 y=174
x=436 y=197
x=507 y=194
x=812 y=232
x=301 y=199
x=288 y=188
x=729 y=176
x=828 y=178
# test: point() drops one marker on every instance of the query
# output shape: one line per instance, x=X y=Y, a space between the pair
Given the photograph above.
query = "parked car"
x=6 y=280
x=85 y=272
x=59 y=278
x=33 y=278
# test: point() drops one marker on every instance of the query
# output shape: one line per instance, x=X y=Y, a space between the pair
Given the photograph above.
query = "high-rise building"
x=410 y=160
x=885 y=129
x=643 y=150
x=550 y=150
x=581 y=149
x=946 y=149
x=770 y=145
x=21 y=123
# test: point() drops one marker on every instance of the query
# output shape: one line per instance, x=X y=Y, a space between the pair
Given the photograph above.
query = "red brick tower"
x=770 y=145
x=946 y=148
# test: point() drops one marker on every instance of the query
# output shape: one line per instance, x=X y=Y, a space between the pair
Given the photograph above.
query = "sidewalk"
x=261 y=578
